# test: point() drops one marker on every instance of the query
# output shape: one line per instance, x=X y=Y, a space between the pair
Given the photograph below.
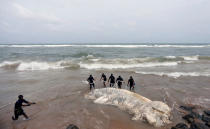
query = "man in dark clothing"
x=91 y=82
x=103 y=77
x=131 y=83
x=18 y=110
x=119 y=82
x=111 y=80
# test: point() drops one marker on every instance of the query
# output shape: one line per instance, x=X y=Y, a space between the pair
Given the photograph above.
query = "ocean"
x=54 y=76
x=160 y=59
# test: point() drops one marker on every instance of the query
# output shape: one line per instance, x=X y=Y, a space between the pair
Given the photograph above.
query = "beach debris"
x=155 y=113
x=71 y=126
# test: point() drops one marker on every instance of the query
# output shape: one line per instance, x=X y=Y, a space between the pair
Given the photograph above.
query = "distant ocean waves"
x=91 y=62
x=112 y=46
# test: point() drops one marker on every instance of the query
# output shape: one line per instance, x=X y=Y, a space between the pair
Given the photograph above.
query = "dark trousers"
x=119 y=86
x=131 y=87
x=111 y=84
x=92 y=85
x=19 y=112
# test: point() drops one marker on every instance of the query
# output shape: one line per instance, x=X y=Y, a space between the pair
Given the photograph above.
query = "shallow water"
x=60 y=98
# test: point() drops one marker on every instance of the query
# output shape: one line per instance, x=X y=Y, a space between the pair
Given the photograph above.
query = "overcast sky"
x=104 y=21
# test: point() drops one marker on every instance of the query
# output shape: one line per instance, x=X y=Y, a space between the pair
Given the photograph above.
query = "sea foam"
x=176 y=74
x=126 y=66
x=191 y=58
x=37 y=66
x=34 y=65
x=88 y=62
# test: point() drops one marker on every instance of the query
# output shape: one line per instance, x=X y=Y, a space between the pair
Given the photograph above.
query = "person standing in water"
x=18 y=110
x=131 y=83
x=91 y=82
x=103 y=77
x=111 y=80
x=119 y=82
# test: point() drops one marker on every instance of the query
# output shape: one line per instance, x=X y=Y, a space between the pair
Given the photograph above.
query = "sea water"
x=173 y=60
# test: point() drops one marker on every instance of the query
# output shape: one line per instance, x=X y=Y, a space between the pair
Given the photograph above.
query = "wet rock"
x=192 y=116
x=207 y=112
x=187 y=108
x=189 y=118
x=205 y=118
x=196 y=115
x=195 y=118
x=208 y=124
x=71 y=126
x=192 y=110
x=180 y=126
x=198 y=125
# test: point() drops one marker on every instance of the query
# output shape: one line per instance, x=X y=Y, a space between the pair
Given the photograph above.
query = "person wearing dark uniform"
x=119 y=82
x=111 y=80
x=103 y=77
x=131 y=83
x=18 y=110
x=91 y=82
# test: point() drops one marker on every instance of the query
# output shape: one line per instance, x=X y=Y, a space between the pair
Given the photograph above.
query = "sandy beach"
x=60 y=99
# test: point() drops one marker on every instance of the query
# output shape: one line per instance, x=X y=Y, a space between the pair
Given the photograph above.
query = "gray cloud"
x=66 y=21
x=28 y=14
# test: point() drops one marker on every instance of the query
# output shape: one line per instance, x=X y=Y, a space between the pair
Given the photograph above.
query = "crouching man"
x=18 y=110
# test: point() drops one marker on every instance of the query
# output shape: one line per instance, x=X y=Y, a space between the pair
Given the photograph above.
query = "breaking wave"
x=10 y=64
x=191 y=58
x=91 y=62
x=125 y=66
x=177 y=74
x=111 y=46
x=22 y=66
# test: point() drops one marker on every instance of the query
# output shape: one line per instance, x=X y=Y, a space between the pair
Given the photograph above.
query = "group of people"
x=119 y=81
x=18 y=110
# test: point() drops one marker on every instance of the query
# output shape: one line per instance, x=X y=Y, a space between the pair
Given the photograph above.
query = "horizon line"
x=102 y=43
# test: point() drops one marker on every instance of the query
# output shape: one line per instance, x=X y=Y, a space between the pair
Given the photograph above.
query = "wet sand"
x=60 y=99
